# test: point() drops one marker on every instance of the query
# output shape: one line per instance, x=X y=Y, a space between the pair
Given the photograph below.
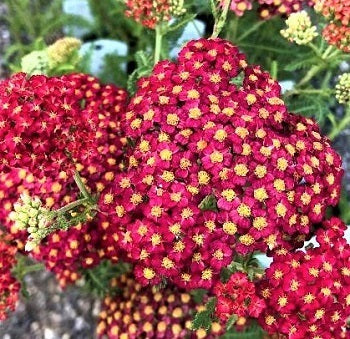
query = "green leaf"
x=300 y=64
x=198 y=295
x=97 y=280
x=209 y=203
x=180 y=23
x=253 y=331
x=231 y=321
x=204 y=319
x=144 y=68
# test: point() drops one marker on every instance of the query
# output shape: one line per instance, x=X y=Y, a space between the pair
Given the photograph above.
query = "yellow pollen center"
x=229 y=194
x=172 y=119
x=207 y=274
x=216 y=157
x=241 y=170
x=148 y=273
x=166 y=154
x=260 y=194
x=244 y=210
x=259 y=223
x=229 y=227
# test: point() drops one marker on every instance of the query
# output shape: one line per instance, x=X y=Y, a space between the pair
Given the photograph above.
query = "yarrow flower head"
x=240 y=6
x=215 y=169
x=270 y=8
x=42 y=128
x=337 y=32
x=9 y=286
x=83 y=245
x=308 y=293
x=339 y=36
x=137 y=312
x=150 y=13
x=299 y=29
x=237 y=297
x=335 y=10
x=342 y=89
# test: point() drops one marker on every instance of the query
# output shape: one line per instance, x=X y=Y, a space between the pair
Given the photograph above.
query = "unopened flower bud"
x=342 y=89
x=62 y=50
x=35 y=63
x=299 y=29
x=30 y=215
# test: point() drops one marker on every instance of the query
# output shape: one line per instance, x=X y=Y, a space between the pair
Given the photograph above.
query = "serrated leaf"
x=209 y=203
x=231 y=321
x=210 y=305
x=143 y=59
x=204 y=319
x=300 y=64
x=181 y=22
x=198 y=295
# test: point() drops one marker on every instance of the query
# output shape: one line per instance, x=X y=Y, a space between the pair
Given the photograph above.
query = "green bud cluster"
x=30 y=215
x=35 y=63
x=342 y=89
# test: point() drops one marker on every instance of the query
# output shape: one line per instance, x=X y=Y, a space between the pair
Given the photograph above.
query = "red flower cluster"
x=42 y=127
x=336 y=10
x=136 y=312
x=338 y=36
x=240 y=6
x=215 y=169
x=337 y=32
x=308 y=294
x=270 y=8
x=84 y=245
x=237 y=297
x=149 y=13
x=9 y=286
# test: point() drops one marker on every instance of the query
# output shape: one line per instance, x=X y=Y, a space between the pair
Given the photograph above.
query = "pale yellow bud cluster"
x=30 y=215
x=318 y=5
x=35 y=63
x=62 y=50
x=342 y=89
x=177 y=7
x=299 y=28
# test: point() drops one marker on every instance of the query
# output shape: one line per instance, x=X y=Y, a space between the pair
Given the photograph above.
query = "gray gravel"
x=4 y=37
x=51 y=313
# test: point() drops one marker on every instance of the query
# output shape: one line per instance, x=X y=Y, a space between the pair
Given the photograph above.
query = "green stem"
x=79 y=181
x=96 y=280
x=32 y=268
x=309 y=75
x=220 y=21
x=158 y=44
x=327 y=51
x=72 y=205
x=325 y=81
x=251 y=30
x=344 y=122
x=323 y=92
x=274 y=69
x=266 y=48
